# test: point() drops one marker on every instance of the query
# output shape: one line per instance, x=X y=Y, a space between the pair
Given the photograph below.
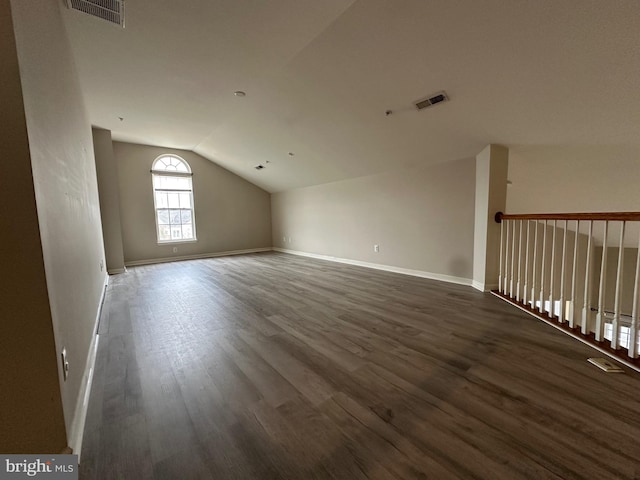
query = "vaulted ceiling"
x=319 y=76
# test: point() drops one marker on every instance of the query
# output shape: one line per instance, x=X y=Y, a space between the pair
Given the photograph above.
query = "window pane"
x=176 y=232
x=163 y=217
x=161 y=200
x=170 y=163
x=185 y=200
x=187 y=232
x=174 y=217
x=179 y=166
x=164 y=232
x=186 y=216
x=174 y=200
x=171 y=183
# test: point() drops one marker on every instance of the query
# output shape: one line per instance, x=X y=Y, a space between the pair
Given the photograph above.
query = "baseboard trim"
x=152 y=261
x=117 y=271
x=82 y=402
x=377 y=266
x=484 y=287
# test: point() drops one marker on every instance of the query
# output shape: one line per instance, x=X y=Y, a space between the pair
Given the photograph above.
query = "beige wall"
x=107 y=173
x=31 y=415
x=573 y=179
x=60 y=147
x=421 y=218
x=231 y=213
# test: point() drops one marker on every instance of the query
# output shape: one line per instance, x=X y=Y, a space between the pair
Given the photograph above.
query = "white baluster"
x=506 y=258
x=501 y=259
x=615 y=325
x=586 y=306
x=600 y=317
x=561 y=311
x=544 y=251
x=572 y=320
x=552 y=273
x=533 y=273
x=513 y=258
x=633 y=331
x=519 y=261
x=526 y=267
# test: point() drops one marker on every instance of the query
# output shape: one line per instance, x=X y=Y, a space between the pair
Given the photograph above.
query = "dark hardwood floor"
x=273 y=366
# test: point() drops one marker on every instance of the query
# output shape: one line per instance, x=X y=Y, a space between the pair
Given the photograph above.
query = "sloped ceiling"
x=319 y=76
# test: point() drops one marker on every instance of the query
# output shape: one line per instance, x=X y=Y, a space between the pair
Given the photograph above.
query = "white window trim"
x=155 y=207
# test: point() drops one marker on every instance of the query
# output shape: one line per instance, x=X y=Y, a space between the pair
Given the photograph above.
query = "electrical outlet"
x=175 y=249
x=65 y=364
x=376 y=248
x=101 y=265
x=284 y=239
x=289 y=239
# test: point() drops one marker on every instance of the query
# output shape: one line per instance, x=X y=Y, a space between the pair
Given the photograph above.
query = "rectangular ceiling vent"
x=433 y=100
x=109 y=10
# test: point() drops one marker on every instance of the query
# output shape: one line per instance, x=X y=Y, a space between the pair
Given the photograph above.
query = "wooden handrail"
x=611 y=216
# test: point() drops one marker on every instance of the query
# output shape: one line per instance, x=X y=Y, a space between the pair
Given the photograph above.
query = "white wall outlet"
x=284 y=239
x=101 y=265
x=65 y=364
x=289 y=239
x=376 y=248
x=175 y=249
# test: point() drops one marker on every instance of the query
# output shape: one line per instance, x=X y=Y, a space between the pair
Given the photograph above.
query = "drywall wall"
x=31 y=418
x=107 y=173
x=491 y=193
x=66 y=192
x=422 y=219
x=230 y=213
x=573 y=179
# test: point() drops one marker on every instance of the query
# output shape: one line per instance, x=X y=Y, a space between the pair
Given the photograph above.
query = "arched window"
x=173 y=199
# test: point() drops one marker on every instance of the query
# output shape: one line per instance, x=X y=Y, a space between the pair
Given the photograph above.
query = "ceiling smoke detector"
x=110 y=10
x=432 y=100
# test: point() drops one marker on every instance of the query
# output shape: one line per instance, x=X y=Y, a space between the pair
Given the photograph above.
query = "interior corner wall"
x=64 y=180
x=231 y=213
x=573 y=179
x=31 y=416
x=422 y=219
x=107 y=173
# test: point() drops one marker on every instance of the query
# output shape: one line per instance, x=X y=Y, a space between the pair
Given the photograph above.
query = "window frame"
x=177 y=174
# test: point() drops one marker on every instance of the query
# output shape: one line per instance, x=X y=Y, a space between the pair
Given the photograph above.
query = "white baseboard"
x=484 y=287
x=82 y=402
x=151 y=261
x=117 y=271
x=377 y=266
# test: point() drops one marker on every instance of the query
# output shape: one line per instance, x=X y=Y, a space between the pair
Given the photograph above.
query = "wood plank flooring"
x=272 y=366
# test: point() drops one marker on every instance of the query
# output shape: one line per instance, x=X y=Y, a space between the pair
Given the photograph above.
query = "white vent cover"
x=109 y=10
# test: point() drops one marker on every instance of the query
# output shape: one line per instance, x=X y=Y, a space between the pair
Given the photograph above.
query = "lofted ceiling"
x=319 y=76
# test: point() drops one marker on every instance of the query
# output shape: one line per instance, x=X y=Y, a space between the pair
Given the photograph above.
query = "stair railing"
x=559 y=267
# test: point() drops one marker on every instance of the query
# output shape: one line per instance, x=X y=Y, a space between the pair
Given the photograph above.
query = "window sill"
x=174 y=242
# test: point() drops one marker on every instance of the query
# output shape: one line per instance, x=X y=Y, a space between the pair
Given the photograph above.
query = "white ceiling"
x=320 y=74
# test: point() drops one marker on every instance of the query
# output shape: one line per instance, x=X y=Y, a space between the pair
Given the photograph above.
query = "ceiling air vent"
x=433 y=100
x=109 y=10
